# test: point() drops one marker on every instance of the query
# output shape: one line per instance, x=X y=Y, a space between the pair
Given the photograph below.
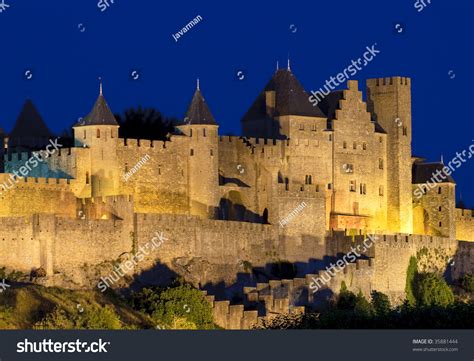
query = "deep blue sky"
x=243 y=35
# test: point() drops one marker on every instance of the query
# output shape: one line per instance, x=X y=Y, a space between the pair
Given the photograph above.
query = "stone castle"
x=220 y=200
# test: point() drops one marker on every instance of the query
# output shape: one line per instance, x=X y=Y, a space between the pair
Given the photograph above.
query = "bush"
x=432 y=290
x=181 y=306
x=380 y=303
x=411 y=273
x=467 y=282
x=94 y=318
x=346 y=299
x=362 y=307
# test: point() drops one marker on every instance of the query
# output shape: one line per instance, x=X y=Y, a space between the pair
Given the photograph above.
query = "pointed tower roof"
x=29 y=123
x=100 y=113
x=198 y=111
x=290 y=98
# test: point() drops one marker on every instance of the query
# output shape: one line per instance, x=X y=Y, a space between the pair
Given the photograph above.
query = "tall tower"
x=389 y=101
x=98 y=131
x=203 y=175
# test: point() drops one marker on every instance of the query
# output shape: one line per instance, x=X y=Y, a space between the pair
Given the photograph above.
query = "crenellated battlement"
x=389 y=82
x=464 y=214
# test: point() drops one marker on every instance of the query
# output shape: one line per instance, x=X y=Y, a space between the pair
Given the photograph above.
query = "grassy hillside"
x=32 y=306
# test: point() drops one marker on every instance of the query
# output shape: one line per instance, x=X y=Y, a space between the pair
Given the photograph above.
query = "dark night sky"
x=45 y=37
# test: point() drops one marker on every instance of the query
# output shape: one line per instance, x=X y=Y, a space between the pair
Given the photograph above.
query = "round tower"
x=201 y=130
x=98 y=132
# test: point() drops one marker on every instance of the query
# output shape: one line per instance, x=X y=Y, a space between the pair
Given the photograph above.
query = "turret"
x=99 y=132
x=202 y=130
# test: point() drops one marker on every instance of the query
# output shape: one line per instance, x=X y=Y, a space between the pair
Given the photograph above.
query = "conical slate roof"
x=290 y=98
x=29 y=123
x=198 y=111
x=100 y=114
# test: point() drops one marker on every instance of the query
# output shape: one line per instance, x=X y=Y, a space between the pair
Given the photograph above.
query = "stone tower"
x=203 y=175
x=389 y=101
x=98 y=131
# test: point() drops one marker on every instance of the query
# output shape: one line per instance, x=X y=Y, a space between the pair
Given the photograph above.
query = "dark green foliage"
x=362 y=307
x=467 y=282
x=181 y=305
x=346 y=300
x=146 y=123
x=93 y=318
x=455 y=316
x=380 y=303
x=411 y=273
x=431 y=290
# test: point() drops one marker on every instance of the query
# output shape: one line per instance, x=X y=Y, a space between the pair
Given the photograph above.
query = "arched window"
x=98 y=133
x=87 y=177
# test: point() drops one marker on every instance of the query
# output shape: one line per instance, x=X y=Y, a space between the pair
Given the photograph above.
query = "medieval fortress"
x=230 y=205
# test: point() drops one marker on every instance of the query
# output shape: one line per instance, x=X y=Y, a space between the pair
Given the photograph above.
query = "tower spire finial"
x=100 y=85
x=442 y=159
x=197 y=84
x=289 y=67
x=278 y=66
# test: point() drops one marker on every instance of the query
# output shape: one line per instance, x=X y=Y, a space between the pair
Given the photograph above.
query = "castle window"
x=354 y=145
x=84 y=136
x=330 y=137
x=126 y=168
x=380 y=140
x=352 y=186
x=380 y=163
x=98 y=133
x=301 y=126
x=111 y=134
x=440 y=208
x=381 y=191
x=159 y=170
x=364 y=146
x=317 y=187
x=308 y=179
x=329 y=185
x=192 y=152
x=439 y=190
x=87 y=177
x=313 y=127
x=440 y=224
x=212 y=153
x=405 y=131
x=190 y=132
x=204 y=132
x=363 y=188
x=344 y=145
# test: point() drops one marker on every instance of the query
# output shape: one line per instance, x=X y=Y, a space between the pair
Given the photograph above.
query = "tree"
x=346 y=299
x=146 y=123
x=362 y=307
x=411 y=273
x=467 y=282
x=180 y=306
x=431 y=290
x=380 y=303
